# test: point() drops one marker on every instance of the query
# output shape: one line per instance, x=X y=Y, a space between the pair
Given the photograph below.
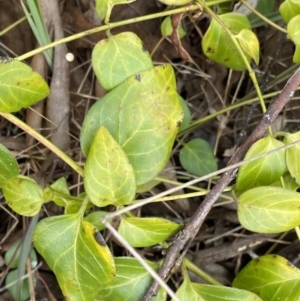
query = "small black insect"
x=138 y=77
x=99 y=238
x=178 y=123
x=5 y=59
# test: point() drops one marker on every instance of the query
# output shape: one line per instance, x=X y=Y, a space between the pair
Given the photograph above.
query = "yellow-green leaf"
x=293 y=156
x=217 y=45
x=293 y=29
x=108 y=175
x=249 y=43
x=142 y=114
x=104 y=7
x=20 y=87
x=289 y=9
x=80 y=263
x=202 y=292
x=262 y=171
x=144 y=232
x=269 y=209
x=9 y=167
x=167 y=29
x=271 y=277
x=119 y=57
x=23 y=195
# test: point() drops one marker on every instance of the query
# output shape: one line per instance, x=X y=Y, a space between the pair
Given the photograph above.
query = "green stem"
x=19 y=123
x=8 y=28
x=193 y=268
x=115 y=24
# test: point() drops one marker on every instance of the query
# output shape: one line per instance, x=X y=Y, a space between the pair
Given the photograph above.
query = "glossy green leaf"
x=108 y=175
x=142 y=114
x=186 y=114
x=197 y=157
x=20 y=87
x=271 y=277
x=201 y=292
x=24 y=295
x=11 y=253
x=9 y=167
x=262 y=171
x=167 y=29
x=217 y=45
x=289 y=9
x=119 y=57
x=131 y=282
x=293 y=29
x=23 y=195
x=249 y=43
x=269 y=209
x=145 y=232
x=292 y=156
x=81 y=265
x=104 y=7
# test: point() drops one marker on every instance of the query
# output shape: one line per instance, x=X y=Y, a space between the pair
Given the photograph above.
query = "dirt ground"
x=206 y=86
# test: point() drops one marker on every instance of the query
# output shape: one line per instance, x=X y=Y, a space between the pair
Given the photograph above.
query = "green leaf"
x=95 y=218
x=108 y=175
x=289 y=9
x=249 y=43
x=218 y=47
x=197 y=158
x=59 y=193
x=81 y=265
x=9 y=167
x=296 y=56
x=13 y=276
x=23 y=195
x=131 y=282
x=186 y=114
x=145 y=232
x=20 y=87
x=262 y=171
x=104 y=7
x=142 y=115
x=11 y=252
x=265 y=7
x=269 y=209
x=288 y=180
x=201 y=292
x=293 y=29
x=292 y=156
x=119 y=57
x=271 y=277
x=175 y=2
x=167 y=29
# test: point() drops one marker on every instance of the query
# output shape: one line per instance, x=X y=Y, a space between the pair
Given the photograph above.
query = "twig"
x=192 y=227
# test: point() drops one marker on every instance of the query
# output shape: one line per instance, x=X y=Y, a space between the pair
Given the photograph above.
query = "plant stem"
x=62 y=155
x=193 y=268
x=264 y=18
